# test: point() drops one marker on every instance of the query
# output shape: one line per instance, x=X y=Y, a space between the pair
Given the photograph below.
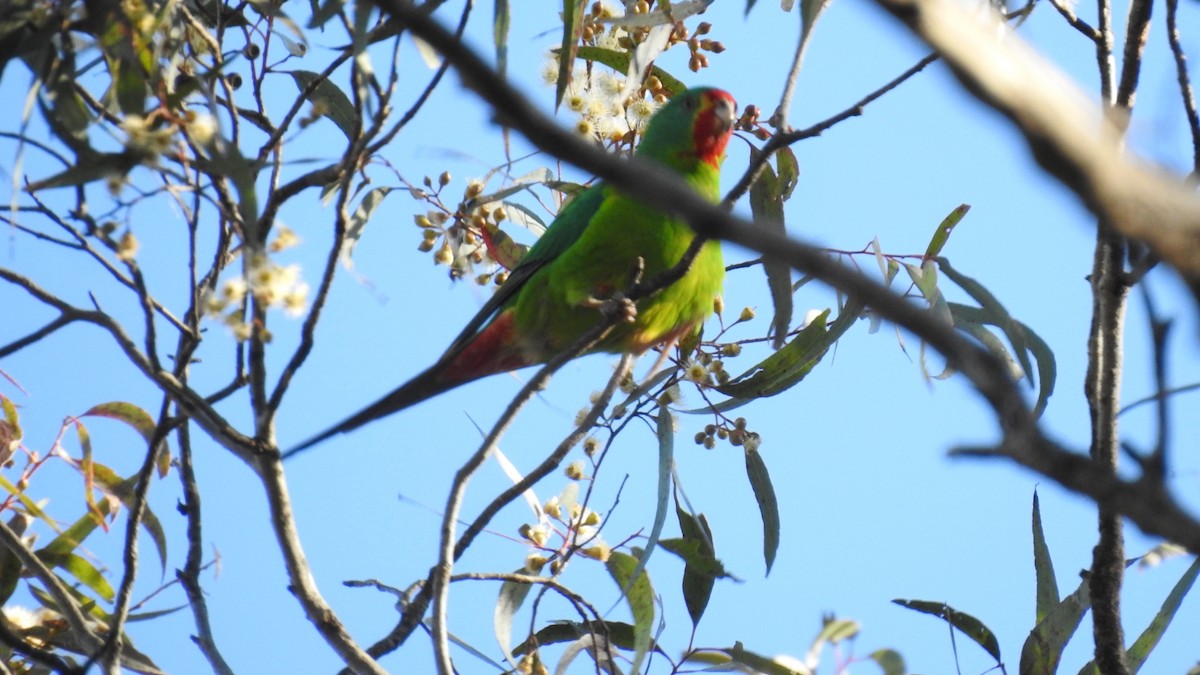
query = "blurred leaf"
x=1043 y=647
x=85 y=572
x=1148 y=640
x=512 y=594
x=619 y=633
x=501 y=247
x=695 y=554
x=965 y=623
x=359 y=219
x=1047 y=584
x=619 y=61
x=130 y=414
x=525 y=217
x=572 y=18
x=766 y=204
x=789 y=171
x=925 y=277
x=323 y=11
x=889 y=660
x=768 y=505
x=639 y=594
x=500 y=27
x=88 y=169
x=810 y=11
x=748 y=661
x=337 y=106
x=942 y=234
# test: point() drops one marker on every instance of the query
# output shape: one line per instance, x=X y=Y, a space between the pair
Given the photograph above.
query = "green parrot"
x=588 y=252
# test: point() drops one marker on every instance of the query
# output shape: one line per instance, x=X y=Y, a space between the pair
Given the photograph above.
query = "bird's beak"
x=725 y=112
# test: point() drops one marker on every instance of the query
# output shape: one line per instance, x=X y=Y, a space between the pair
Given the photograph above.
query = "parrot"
x=549 y=301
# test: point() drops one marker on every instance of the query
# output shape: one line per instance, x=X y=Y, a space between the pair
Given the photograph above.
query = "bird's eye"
x=689 y=103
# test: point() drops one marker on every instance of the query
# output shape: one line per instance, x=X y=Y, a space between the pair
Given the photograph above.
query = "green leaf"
x=889 y=660
x=1043 y=647
x=1148 y=640
x=965 y=623
x=701 y=567
x=696 y=555
x=789 y=171
x=788 y=366
x=942 y=234
x=1022 y=338
x=1047 y=584
x=639 y=594
x=810 y=11
x=85 y=572
x=618 y=633
x=512 y=594
x=766 y=204
x=337 y=105
x=832 y=632
x=619 y=61
x=572 y=16
x=768 y=505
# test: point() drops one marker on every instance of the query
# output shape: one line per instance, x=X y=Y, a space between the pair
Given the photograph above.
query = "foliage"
x=220 y=110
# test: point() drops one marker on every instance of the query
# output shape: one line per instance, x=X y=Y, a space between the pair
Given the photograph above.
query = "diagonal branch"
x=1122 y=188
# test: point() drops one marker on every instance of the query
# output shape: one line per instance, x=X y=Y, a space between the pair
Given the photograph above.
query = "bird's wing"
x=563 y=232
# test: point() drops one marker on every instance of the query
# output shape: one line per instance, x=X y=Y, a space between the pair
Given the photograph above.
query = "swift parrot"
x=588 y=252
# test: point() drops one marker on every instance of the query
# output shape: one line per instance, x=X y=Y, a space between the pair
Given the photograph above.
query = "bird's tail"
x=426 y=385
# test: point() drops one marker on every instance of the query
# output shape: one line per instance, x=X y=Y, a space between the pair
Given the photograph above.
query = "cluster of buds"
x=697 y=45
x=738 y=435
x=457 y=237
x=749 y=122
x=574 y=525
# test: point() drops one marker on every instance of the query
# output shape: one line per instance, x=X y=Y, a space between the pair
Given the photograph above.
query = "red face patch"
x=714 y=125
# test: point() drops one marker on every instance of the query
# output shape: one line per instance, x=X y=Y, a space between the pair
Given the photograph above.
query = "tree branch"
x=1080 y=154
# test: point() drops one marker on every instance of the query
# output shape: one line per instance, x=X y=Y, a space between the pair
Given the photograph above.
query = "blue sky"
x=872 y=507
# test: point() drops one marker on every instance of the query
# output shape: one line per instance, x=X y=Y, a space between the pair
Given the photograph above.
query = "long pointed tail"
x=426 y=385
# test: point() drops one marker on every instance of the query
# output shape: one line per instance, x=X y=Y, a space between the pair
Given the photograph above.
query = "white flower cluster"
x=604 y=115
x=268 y=282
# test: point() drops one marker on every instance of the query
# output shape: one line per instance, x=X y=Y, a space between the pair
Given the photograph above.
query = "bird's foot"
x=616 y=306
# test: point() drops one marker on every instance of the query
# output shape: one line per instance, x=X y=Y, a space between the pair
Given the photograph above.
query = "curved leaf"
x=965 y=623
x=1047 y=584
x=639 y=594
x=337 y=106
x=512 y=594
x=768 y=505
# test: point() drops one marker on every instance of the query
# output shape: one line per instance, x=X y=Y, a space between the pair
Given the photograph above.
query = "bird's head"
x=694 y=126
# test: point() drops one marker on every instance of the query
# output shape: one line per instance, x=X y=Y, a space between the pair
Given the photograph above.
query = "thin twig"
x=1185 y=83
x=1078 y=24
x=189 y=576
